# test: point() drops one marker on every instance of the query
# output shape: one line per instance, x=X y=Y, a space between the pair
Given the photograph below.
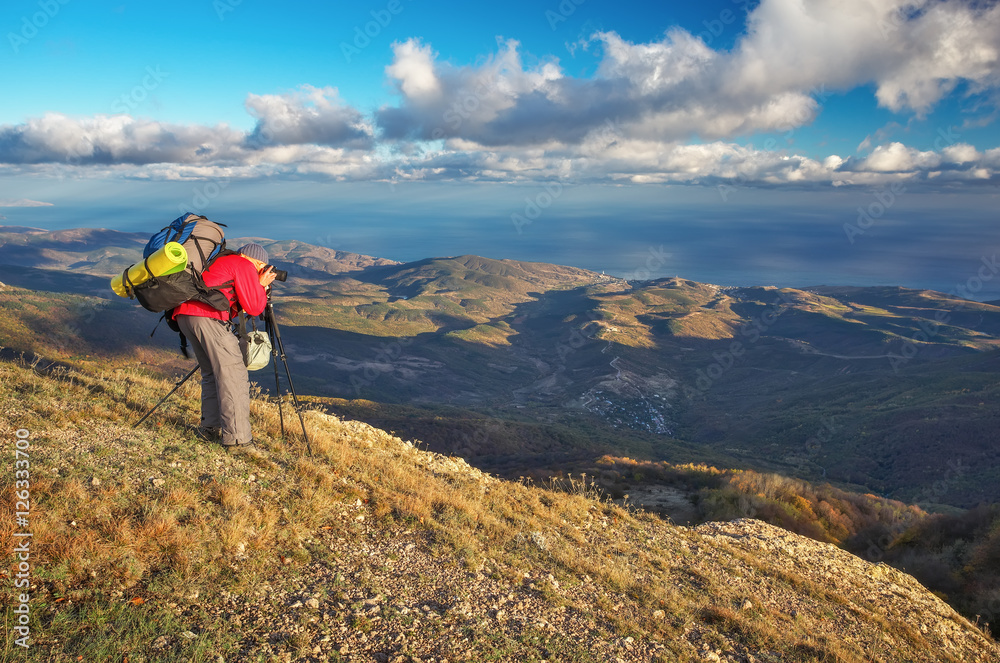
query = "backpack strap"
x=168 y=315
x=162 y=318
x=201 y=252
x=127 y=282
x=234 y=308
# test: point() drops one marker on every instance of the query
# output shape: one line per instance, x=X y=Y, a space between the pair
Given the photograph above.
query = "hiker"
x=225 y=385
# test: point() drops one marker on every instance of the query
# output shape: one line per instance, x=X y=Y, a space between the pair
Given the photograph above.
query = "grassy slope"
x=81 y=330
x=144 y=538
x=955 y=554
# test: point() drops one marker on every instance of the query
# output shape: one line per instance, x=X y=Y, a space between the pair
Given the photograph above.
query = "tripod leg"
x=176 y=387
x=278 y=346
x=277 y=386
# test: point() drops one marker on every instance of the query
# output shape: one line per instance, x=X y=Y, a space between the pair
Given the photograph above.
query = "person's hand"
x=267 y=277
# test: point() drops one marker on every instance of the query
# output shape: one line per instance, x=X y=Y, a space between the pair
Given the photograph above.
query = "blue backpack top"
x=202 y=239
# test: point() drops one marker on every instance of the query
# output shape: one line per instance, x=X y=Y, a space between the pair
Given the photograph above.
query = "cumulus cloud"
x=718 y=163
x=310 y=124
x=413 y=70
x=668 y=90
x=897 y=158
x=510 y=117
x=915 y=53
x=309 y=116
x=114 y=139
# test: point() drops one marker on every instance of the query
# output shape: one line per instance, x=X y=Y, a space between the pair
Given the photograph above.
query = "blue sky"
x=672 y=114
x=219 y=52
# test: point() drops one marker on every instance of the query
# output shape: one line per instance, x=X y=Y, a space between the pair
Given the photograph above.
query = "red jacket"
x=248 y=293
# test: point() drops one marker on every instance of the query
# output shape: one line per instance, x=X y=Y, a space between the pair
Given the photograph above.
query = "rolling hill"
x=520 y=366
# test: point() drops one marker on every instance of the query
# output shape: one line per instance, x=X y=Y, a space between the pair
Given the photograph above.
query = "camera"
x=279 y=274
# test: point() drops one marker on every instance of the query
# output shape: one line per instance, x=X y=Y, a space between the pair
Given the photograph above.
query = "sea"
x=945 y=240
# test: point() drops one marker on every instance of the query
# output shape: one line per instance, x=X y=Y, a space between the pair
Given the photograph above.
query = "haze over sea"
x=922 y=241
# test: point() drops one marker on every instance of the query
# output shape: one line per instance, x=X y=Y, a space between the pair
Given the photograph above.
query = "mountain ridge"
x=650 y=364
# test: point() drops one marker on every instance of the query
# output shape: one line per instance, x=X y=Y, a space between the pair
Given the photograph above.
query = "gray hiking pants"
x=225 y=386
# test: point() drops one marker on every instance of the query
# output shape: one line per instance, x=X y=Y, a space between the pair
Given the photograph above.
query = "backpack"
x=204 y=242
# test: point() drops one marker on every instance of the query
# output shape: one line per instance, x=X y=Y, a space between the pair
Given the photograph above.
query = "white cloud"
x=678 y=87
x=511 y=118
x=312 y=118
x=915 y=51
x=960 y=153
x=413 y=70
x=22 y=202
x=308 y=116
x=668 y=90
x=897 y=158
x=114 y=139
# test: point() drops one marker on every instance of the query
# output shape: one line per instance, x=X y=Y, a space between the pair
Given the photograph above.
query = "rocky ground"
x=390 y=597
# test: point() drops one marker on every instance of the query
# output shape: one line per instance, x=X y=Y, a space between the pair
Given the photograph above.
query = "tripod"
x=171 y=393
x=278 y=352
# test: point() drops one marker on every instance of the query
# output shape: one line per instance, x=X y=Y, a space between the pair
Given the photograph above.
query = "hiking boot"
x=208 y=434
x=240 y=445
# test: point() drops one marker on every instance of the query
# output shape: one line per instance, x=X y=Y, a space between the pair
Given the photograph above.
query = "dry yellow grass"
x=153 y=513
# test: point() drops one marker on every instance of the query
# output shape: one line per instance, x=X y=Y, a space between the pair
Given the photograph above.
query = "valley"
x=874 y=388
x=540 y=373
